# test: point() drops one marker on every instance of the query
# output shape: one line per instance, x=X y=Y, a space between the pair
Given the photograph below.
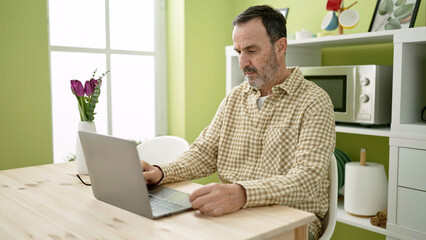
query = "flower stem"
x=81 y=109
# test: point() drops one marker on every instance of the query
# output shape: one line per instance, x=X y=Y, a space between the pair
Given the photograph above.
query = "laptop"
x=117 y=178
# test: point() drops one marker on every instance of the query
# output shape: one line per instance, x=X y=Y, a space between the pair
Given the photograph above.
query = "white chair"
x=329 y=222
x=162 y=149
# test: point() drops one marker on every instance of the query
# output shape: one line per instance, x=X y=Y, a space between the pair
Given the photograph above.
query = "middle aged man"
x=271 y=138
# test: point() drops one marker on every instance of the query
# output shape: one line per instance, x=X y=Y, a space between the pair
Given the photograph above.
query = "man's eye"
x=251 y=51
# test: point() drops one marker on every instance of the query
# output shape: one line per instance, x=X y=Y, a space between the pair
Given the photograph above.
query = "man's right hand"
x=152 y=174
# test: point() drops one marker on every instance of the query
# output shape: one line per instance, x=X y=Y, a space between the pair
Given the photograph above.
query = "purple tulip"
x=77 y=88
x=89 y=87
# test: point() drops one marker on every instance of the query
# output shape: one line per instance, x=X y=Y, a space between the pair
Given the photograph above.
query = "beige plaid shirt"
x=279 y=154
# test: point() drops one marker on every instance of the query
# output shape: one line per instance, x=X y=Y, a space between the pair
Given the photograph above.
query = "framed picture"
x=394 y=14
x=284 y=12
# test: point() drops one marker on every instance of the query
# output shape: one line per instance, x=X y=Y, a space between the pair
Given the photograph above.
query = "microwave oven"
x=360 y=93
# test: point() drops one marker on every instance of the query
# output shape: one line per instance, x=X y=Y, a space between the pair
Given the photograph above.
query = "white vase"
x=80 y=162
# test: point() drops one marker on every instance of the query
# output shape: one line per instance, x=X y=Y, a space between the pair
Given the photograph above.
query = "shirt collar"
x=290 y=85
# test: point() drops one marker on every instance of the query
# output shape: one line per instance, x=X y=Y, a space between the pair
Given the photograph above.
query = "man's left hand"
x=218 y=199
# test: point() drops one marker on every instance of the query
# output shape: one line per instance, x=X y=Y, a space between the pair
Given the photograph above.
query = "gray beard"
x=269 y=73
x=257 y=83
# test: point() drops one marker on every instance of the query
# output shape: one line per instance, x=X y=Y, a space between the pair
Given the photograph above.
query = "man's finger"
x=144 y=165
x=200 y=201
x=147 y=176
x=200 y=192
x=216 y=212
x=207 y=207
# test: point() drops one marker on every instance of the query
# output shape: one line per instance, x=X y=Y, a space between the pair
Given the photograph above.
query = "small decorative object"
x=87 y=98
x=339 y=16
x=303 y=34
x=380 y=219
x=394 y=14
x=366 y=187
x=330 y=21
x=348 y=19
x=284 y=12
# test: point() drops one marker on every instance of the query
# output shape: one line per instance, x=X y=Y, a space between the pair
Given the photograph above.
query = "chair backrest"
x=162 y=149
x=329 y=222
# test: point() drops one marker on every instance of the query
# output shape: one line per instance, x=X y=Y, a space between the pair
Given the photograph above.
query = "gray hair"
x=273 y=21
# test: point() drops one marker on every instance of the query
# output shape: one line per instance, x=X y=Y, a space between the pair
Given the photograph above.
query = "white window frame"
x=159 y=53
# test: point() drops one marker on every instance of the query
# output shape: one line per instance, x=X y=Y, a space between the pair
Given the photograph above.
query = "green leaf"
x=400 y=2
x=403 y=11
x=392 y=24
x=386 y=7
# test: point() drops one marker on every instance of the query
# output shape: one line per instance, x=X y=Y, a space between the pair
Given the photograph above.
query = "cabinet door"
x=411 y=210
x=411 y=169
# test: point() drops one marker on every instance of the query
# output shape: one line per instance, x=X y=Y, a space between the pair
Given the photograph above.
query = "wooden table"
x=49 y=202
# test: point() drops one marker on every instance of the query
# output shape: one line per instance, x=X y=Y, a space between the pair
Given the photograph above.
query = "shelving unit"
x=407 y=134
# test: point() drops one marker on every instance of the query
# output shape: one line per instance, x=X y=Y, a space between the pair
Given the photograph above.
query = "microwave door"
x=339 y=84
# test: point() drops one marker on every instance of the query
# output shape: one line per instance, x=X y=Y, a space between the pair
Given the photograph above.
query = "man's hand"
x=218 y=199
x=151 y=173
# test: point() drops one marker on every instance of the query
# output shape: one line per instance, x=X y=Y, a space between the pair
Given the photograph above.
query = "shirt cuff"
x=162 y=173
x=255 y=194
x=166 y=172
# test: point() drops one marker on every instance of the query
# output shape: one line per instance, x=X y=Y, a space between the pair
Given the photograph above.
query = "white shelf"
x=360 y=222
x=345 y=40
x=336 y=40
x=372 y=131
x=356 y=38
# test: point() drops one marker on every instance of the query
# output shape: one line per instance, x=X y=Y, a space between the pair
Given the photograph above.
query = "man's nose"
x=244 y=60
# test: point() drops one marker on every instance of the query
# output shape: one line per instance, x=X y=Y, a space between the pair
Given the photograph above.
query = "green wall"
x=198 y=32
x=25 y=105
x=176 y=67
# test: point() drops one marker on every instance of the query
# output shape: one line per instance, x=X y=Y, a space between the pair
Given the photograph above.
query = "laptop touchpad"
x=171 y=195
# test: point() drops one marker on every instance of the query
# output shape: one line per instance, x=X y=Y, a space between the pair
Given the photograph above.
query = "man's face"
x=256 y=54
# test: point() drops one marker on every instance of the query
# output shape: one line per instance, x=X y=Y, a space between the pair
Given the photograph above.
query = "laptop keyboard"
x=161 y=205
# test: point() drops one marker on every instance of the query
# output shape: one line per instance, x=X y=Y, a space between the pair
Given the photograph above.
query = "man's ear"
x=281 y=46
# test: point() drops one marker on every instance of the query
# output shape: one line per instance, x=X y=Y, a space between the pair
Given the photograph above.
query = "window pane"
x=133 y=96
x=77 y=23
x=66 y=66
x=132 y=25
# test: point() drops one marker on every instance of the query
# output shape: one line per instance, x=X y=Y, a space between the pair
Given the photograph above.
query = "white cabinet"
x=407 y=134
x=407 y=163
x=407 y=187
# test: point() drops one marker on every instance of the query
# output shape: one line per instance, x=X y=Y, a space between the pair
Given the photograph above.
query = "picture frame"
x=394 y=14
x=284 y=12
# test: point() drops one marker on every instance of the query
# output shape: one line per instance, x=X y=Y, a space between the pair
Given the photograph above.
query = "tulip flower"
x=77 y=88
x=87 y=104
x=89 y=87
